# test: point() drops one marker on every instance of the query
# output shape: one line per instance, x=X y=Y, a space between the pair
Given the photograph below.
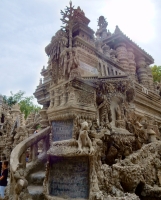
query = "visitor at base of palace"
x=36 y=132
x=3 y=178
x=0 y=167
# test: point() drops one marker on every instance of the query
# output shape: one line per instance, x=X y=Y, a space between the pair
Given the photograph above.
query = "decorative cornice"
x=121 y=35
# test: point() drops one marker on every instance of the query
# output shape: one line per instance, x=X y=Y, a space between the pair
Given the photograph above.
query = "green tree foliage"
x=25 y=103
x=14 y=98
x=156 y=72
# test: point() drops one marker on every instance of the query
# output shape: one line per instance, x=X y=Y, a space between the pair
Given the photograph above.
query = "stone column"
x=64 y=96
x=142 y=71
x=51 y=99
x=122 y=56
x=106 y=50
x=106 y=69
x=102 y=69
x=34 y=151
x=104 y=33
x=71 y=96
x=150 y=77
x=44 y=118
x=56 y=99
x=132 y=63
x=46 y=144
x=99 y=45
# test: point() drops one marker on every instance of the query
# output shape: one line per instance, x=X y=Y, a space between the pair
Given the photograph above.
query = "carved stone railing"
x=18 y=167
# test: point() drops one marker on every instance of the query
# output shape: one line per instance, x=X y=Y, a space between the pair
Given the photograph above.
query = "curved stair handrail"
x=24 y=145
x=18 y=180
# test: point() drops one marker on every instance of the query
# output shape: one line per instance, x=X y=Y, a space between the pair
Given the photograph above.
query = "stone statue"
x=118 y=112
x=83 y=139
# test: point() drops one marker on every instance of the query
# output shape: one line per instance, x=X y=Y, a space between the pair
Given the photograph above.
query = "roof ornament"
x=117 y=30
x=102 y=31
x=102 y=23
x=68 y=21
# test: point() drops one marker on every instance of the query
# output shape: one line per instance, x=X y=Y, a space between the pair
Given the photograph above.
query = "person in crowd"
x=3 y=178
x=0 y=167
x=36 y=131
x=27 y=158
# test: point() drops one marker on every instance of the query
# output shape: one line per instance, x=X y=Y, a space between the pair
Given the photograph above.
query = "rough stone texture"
x=14 y=128
x=11 y=128
x=104 y=87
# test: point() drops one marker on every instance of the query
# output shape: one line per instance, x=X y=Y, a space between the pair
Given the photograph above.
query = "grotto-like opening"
x=2 y=118
x=139 y=189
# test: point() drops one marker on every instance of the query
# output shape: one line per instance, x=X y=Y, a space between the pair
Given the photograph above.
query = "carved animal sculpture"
x=83 y=139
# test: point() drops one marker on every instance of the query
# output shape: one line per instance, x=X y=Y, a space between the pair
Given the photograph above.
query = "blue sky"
x=26 y=27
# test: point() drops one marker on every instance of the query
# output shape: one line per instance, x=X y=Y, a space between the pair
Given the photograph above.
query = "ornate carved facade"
x=104 y=114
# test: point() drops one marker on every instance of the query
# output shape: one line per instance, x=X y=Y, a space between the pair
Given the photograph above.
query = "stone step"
x=37 y=178
x=36 y=192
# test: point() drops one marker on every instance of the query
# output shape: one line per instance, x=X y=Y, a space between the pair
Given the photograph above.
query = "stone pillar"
x=99 y=45
x=104 y=33
x=106 y=69
x=150 y=77
x=132 y=63
x=56 y=99
x=22 y=119
x=71 y=96
x=51 y=99
x=15 y=112
x=122 y=56
x=142 y=71
x=44 y=118
x=46 y=144
x=64 y=96
x=106 y=50
x=34 y=151
x=103 y=70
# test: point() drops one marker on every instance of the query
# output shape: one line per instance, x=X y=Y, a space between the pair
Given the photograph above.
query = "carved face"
x=84 y=125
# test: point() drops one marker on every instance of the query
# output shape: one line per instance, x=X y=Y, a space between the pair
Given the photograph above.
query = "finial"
x=117 y=29
x=70 y=3
x=40 y=83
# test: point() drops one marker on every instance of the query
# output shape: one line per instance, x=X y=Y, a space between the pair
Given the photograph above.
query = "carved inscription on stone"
x=62 y=130
x=69 y=177
x=87 y=70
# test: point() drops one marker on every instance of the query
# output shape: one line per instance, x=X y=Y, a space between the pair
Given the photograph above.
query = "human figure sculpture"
x=65 y=64
x=118 y=113
x=70 y=61
x=83 y=139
